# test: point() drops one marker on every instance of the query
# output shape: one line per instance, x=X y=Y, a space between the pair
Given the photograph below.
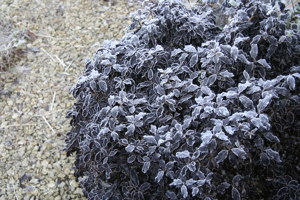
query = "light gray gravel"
x=35 y=94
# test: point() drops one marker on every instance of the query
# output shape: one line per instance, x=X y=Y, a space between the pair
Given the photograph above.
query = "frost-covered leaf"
x=176 y=182
x=259 y=123
x=105 y=62
x=263 y=103
x=249 y=114
x=130 y=148
x=254 y=51
x=190 y=182
x=133 y=177
x=192 y=88
x=225 y=60
x=239 y=40
x=175 y=52
x=87 y=157
x=234 y=53
x=253 y=89
x=183 y=57
x=243 y=59
x=115 y=136
x=211 y=79
x=201 y=182
x=230 y=129
x=222 y=111
x=131 y=159
x=150 y=139
x=195 y=191
x=146 y=167
x=226 y=74
x=159 y=176
x=256 y=39
x=239 y=153
x=246 y=75
x=264 y=63
x=271 y=50
x=160 y=90
x=290 y=117
x=222 y=155
x=291 y=82
x=192 y=166
x=222 y=136
x=236 y=179
x=124 y=141
x=113 y=153
x=271 y=137
x=184 y=191
x=193 y=60
x=283 y=191
x=222 y=187
x=196 y=111
x=281 y=39
x=130 y=129
x=120 y=127
x=171 y=195
x=185 y=98
x=247 y=102
x=145 y=186
x=144 y=84
x=264 y=159
x=235 y=194
x=169 y=165
x=274 y=155
x=183 y=154
x=243 y=86
x=102 y=86
x=236 y=117
x=296 y=69
x=190 y=49
x=206 y=137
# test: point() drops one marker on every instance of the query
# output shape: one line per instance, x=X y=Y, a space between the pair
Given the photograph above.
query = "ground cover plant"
x=182 y=109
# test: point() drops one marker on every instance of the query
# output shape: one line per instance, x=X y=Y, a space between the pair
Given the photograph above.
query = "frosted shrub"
x=181 y=109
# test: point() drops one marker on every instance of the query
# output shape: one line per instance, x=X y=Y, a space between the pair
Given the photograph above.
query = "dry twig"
x=48 y=124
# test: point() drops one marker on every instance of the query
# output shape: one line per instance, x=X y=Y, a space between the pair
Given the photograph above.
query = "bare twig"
x=49 y=36
x=17 y=125
x=48 y=54
x=50 y=113
x=48 y=124
x=51 y=107
x=15 y=191
x=69 y=65
x=60 y=61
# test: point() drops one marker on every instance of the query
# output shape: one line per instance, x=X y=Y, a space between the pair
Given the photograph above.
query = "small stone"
x=35 y=192
x=78 y=191
x=24 y=163
x=51 y=174
x=74 y=183
x=15 y=115
x=44 y=163
x=34 y=181
x=57 y=198
x=61 y=185
x=67 y=171
x=10 y=102
x=51 y=184
x=61 y=175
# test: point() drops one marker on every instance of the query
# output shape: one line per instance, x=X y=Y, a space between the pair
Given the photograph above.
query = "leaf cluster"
x=180 y=109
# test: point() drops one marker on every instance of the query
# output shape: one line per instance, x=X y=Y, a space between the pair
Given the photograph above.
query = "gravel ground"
x=35 y=95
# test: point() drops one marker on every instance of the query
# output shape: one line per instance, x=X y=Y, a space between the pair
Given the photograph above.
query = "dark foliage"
x=180 y=109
